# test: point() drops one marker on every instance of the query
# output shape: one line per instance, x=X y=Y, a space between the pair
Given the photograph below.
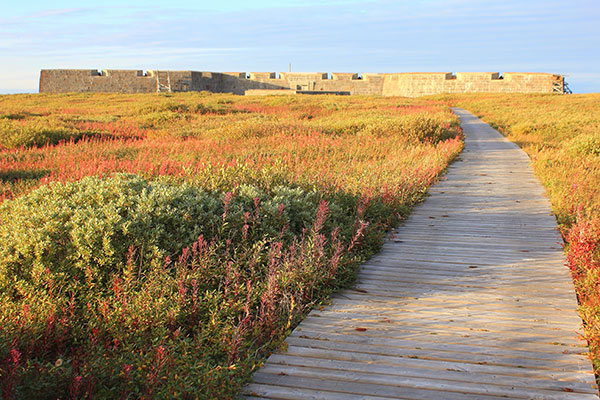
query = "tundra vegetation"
x=159 y=246
x=561 y=135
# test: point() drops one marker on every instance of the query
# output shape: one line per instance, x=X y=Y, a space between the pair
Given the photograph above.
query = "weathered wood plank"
x=539 y=326
x=420 y=383
x=498 y=310
x=435 y=365
x=369 y=389
x=441 y=296
x=431 y=353
x=415 y=371
x=388 y=327
x=483 y=280
x=433 y=270
x=414 y=343
x=505 y=314
x=482 y=285
x=293 y=393
x=468 y=299
x=409 y=291
x=483 y=330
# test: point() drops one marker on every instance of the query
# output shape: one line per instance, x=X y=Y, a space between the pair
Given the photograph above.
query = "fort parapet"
x=395 y=84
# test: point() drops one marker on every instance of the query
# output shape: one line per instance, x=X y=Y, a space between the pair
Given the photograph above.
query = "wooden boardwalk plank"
x=440 y=345
x=364 y=388
x=432 y=352
x=417 y=382
x=435 y=366
x=515 y=337
x=445 y=374
x=468 y=299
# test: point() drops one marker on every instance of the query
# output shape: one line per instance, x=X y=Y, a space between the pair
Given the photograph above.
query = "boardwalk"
x=469 y=300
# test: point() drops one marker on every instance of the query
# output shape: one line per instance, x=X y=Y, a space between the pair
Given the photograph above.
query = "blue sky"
x=326 y=36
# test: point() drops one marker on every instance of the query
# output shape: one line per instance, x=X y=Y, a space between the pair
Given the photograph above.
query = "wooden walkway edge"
x=469 y=299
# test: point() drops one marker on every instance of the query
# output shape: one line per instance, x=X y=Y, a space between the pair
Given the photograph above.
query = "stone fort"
x=386 y=84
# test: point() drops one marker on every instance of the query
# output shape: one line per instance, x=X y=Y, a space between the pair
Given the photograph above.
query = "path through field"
x=469 y=300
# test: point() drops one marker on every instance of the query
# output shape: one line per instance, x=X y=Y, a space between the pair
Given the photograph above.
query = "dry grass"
x=268 y=203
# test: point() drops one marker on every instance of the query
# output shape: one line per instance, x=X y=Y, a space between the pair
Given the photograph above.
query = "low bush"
x=151 y=289
x=73 y=232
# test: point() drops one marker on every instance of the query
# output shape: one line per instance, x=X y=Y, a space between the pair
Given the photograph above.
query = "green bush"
x=93 y=255
x=82 y=231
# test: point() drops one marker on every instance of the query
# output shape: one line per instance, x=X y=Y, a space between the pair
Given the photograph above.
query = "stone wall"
x=421 y=84
x=237 y=82
x=398 y=84
x=91 y=80
x=314 y=82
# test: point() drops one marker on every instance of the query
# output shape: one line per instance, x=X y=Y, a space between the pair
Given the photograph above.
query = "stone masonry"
x=396 y=84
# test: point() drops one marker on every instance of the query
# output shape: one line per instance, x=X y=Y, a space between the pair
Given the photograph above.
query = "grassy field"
x=159 y=246
x=561 y=134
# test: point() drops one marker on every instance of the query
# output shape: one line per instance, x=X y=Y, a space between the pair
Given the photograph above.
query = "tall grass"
x=161 y=246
